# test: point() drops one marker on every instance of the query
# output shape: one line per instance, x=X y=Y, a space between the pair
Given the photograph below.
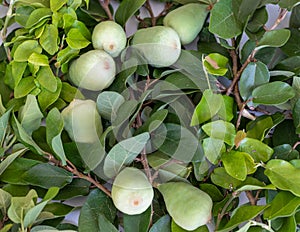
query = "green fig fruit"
x=187 y=21
x=110 y=37
x=94 y=70
x=160 y=45
x=82 y=121
x=131 y=192
x=189 y=206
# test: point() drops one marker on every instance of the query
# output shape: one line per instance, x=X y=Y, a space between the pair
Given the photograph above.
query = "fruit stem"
x=105 y=5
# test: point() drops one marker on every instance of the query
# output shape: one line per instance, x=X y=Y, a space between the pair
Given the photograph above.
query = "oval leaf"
x=273 y=93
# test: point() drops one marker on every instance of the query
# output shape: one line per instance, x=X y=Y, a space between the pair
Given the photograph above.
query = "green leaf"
x=288 y=3
x=108 y=103
x=181 y=81
x=273 y=93
x=137 y=223
x=244 y=9
x=163 y=224
x=295 y=17
x=288 y=224
x=274 y=38
x=166 y=166
x=235 y=164
x=76 y=40
x=127 y=9
x=284 y=175
x=296 y=116
x=25 y=138
x=152 y=123
x=177 y=142
x=105 y=224
x=31 y=115
x=45 y=176
x=124 y=153
x=261 y=126
x=38 y=59
x=222 y=20
x=17 y=71
x=257 y=21
x=13 y=173
x=65 y=55
x=43 y=228
x=285 y=152
x=47 y=98
x=69 y=92
x=55 y=5
x=78 y=187
x=213 y=148
x=91 y=153
x=82 y=28
x=25 y=86
x=191 y=66
x=97 y=203
x=25 y=49
x=49 y=39
x=208 y=107
x=257 y=149
x=222 y=130
x=177 y=228
x=5 y=199
x=3 y=125
x=255 y=74
x=33 y=213
x=283 y=205
x=22 y=14
x=47 y=79
x=221 y=178
x=215 y=64
x=242 y=214
x=292 y=47
x=252 y=187
x=37 y=16
x=54 y=128
x=21 y=205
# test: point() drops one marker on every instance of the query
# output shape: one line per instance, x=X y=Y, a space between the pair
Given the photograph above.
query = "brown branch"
x=74 y=170
x=296 y=145
x=281 y=16
x=251 y=198
x=105 y=5
x=150 y=10
x=71 y=168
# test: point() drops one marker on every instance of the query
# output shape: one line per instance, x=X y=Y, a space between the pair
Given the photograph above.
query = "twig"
x=105 y=5
x=149 y=8
x=71 y=168
x=3 y=32
x=251 y=198
x=281 y=16
x=74 y=170
x=223 y=212
x=296 y=145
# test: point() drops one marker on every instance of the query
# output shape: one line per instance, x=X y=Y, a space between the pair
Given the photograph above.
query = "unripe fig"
x=131 y=192
x=82 y=121
x=110 y=37
x=94 y=70
x=189 y=206
x=160 y=45
x=187 y=21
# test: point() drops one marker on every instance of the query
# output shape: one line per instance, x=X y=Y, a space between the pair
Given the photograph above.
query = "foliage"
x=221 y=122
